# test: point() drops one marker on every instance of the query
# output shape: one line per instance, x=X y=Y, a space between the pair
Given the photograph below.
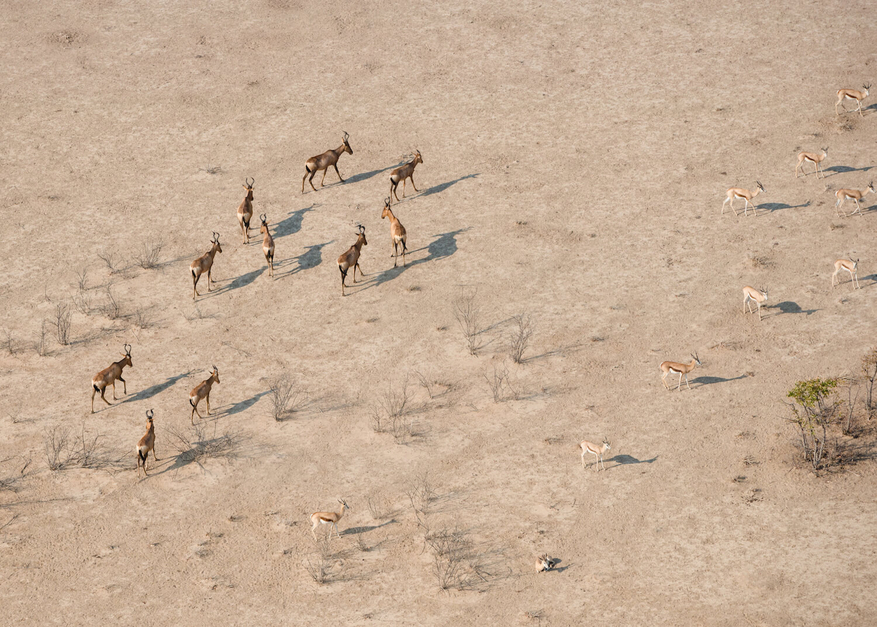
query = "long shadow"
x=788 y=307
x=292 y=224
x=240 y=406
x=776 y=206
x=311 y=258
x=149 y=392
x=840 y=169
x=624 y=460
x=241 y=281
x=712 y=380
x=357 y=530
x=436 y=189
x=364 y=176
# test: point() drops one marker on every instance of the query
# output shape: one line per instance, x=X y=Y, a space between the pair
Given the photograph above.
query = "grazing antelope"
x=852 y=94
x=109 y=375
x=596 y=451
x=752 y=295
x=203 y=264
x=681 y=369
x=850 y=266
x=328 y=518
x=350 y=259
x=403 y=173
x=852 y=194
x=813 y=158
x=202 y=390
x=323 y=161
x=146 y=444
x=245 y=211
x=267 y=244
x=745 y=194
x=545 y=563
x=398 y=235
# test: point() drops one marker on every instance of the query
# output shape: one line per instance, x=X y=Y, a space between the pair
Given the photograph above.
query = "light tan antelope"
x=852 y=94
x=202 y=390
x=203 y=264
x=146 y=444
x=850 y=266
x=752 y=295
x=402 y=174
x=851 y=194
x=674 y=367
x=811 y=157
x=109 y=376
x=398 y=235
x=350 y=259
x=323 y=161
x=596 y=451
x=267 y=244
x=328 y=518
x=545 y=563
x=745 y=194
x=245 y=211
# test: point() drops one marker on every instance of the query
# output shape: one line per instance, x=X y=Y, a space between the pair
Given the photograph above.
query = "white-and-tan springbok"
x=596 y=451
x=398 y=235
x=752 y=295
x=811 y=157
x=402 y=174
x=328 y=518
x=109 y=376
x=203 y=264
x=202 y=390
x=852 y=194
x=668 y=367
x=852 y=94
x=267 y=244
x=745 y=194
x=545 y=563
x=323 y=161
x=850 y=266
x=350 y=259
x=245 y=211
x=146 y=444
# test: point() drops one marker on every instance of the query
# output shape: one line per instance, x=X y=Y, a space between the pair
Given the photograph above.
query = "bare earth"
x=575 y=161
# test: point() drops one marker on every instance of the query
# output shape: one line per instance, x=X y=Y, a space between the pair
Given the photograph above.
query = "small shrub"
x=41 y=346
x=869 y=370
x=321 y=563
x=62 y=323
x=500 y=384
x=468 y=315
x=197 y=443
x=813 y=410
x=9 y=343
x=111 y=261
x=150 y=250
x=519 y=338
x=286 y=396
x=56 y=446
x=111 y=308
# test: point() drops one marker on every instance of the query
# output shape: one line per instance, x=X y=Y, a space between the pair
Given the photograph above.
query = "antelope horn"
x=263 y=217
x=346 y=135
x=150 y=413
x=215 y=369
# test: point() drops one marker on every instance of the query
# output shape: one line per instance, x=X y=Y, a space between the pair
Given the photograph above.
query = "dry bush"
x=869 y=370
x=110 y=307
x=500 y=384
x=434 y=387
x=56 y=445
x=62 y=323
x=87 y=450
x=468 y=315
x=10 y=478
x=421 y=493
x=198 y=442
x=286 y=396
x=9 y=343
x=41 y=345
x=82 y=279
x=150 y=251
x=197 y=314
x=380 y=507
x=321 y=564
x=141 y=318
x=389 y=412
x=111 y=260
x=455 y=562
x=519 y=337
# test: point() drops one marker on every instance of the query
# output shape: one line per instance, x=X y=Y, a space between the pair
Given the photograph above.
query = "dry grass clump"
x=197 y=442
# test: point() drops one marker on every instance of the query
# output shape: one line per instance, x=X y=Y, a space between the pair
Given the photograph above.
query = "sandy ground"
x=575 y=161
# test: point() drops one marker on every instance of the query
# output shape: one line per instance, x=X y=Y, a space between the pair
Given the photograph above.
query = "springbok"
x=350 y=259
x=745 y=194
x=202 y=390
x=323 y=161
x=852 y=194
x=146 y=444
x=328 y=518
x=596 y=451
x=852 y=94
x=245 y=211
x=681 y=369
x=109 y=376
x=203 y=264
x=402 y=174
x=850 y=266
x=398 y=235
x=545 y=563
x=752 y=295
x=811 y=157
x=267 y=244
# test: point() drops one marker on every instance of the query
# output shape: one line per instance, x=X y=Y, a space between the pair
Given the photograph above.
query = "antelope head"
x=606 y=443
x=215 y=374
x=264 y=227
x=344 y=504
x=149 y=414
x=361 y=233
x=696 y=359
x=215 y=242
x=249 y=187
x=866 y=88
x=824 y=152
x=386 y=210
x=417 y=157
x=764 y=293
x=127 y=356
x=759 y=185
x=347 y=147
x=871 y=187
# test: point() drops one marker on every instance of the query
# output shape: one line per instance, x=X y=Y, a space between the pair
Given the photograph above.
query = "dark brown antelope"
x=202 y=390
x=398 y=235
x=323 y=161
x=852 y=94
x=267 y=244
x=146 y=444
x=350 y=259
x=245 y=211
x=203 y=264
x=402 y=174
x=109 y=376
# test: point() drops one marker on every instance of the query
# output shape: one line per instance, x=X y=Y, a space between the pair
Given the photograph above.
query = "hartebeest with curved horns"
x=323 y=161
x=109 y=376
x=403 y=173
x=245 y=210
x=681 y=369
x=851 y=194
x=811 y=157
x=203 y=264
x=267 y=244
x=852 y=94
x=350 y=259
x=398 y=235
x=328 y=518
x=202 y=390
x=746 y=195
x=851 y=266
x=146 y=444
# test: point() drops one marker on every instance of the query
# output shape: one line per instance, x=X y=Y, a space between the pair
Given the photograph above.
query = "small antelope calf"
x=752 y=295
x=245 y=211
x=350 y=259
x=850 y=266
x=852 y=94
x=203 y=264
x=328 y=518
x=811 y=157
x=323 y=161
x=852 y=194
x=401 y=174
x=745 y=194
x=109 y=376
x=398 y=235
x=202 y=390
x=545 y=563
x=146 y=444
x=596 y=451
x=267 y=244
x=674 y=367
